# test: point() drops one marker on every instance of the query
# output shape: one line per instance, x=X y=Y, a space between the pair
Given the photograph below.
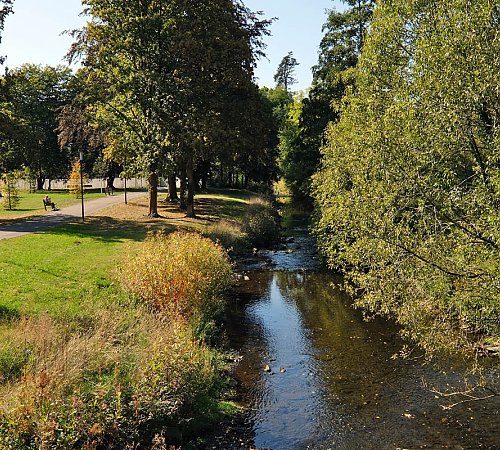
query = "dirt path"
x=54 y=218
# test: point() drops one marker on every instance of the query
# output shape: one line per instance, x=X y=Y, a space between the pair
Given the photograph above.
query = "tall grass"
x=132 y=370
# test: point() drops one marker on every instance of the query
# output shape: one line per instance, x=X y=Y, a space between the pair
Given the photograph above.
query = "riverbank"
x=313 y=373
x=63 y=295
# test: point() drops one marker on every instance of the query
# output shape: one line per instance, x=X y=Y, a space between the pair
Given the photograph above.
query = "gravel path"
x=63 y=215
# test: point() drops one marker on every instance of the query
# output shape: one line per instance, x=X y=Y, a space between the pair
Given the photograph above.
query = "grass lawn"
x=70 y=269
x=31 y=204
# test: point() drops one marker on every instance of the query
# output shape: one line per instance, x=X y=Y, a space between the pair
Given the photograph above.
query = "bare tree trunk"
x=153 y=193
x=172 y=189
x=40 y=182
x=182 y=193
x=191 y=188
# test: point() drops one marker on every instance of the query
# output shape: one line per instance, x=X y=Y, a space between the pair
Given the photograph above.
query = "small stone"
x=246 y=278
x=267 y=368
x=282 y=370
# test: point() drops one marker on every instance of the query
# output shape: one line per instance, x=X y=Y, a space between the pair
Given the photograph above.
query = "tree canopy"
x=165 y=74
x=284 y=76
x=408 y=190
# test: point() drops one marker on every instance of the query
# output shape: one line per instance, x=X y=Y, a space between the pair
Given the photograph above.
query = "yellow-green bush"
x=131 y=374
x=180 y=274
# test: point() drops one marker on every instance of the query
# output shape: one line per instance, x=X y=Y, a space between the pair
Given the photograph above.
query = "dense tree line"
x=303 y=133
x=171 y=85
x=166 y=89
x=408 y=191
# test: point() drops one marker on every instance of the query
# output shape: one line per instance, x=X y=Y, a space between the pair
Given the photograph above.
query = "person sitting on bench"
x=47 y=201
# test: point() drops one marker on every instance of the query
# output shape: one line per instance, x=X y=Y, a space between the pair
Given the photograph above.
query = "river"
x=315 y=375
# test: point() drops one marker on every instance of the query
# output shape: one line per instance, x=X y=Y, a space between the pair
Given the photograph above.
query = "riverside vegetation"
x=98 y=356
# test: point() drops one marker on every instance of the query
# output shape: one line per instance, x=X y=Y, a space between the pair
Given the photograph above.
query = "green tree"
x=5 y=10
x=284 y=76
x=35 y=94
x=338 y=53
x=408 y=191
x=164 y=71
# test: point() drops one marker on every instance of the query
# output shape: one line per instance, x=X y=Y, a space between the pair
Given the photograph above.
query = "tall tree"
x=164 y=70
x=338 y=53
x=408 y=192
x=284 y=75
x=35 y=95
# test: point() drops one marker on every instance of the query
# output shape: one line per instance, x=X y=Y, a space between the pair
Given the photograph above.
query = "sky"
x=33 y=34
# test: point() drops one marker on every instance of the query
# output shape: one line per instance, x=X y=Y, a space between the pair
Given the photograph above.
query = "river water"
x=315 y=375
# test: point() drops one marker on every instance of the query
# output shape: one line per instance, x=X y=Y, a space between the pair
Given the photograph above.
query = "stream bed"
x=314 y=375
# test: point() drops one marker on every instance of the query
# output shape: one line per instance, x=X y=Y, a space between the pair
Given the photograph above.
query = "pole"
x=81 y=185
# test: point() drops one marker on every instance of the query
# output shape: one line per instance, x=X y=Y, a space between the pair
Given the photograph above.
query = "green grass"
x=31 y=204
x=60 y=270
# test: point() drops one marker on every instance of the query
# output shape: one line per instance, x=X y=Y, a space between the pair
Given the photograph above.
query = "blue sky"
x=32 y=33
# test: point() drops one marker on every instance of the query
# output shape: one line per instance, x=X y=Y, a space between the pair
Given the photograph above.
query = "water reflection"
x=341 y=388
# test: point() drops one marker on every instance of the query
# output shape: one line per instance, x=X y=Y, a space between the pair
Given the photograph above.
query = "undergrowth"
x=133 y=371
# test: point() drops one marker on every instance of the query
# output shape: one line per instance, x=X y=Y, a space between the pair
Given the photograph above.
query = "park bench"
x=48 y=203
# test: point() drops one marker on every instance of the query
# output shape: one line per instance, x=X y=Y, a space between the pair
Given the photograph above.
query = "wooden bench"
x=49 y=203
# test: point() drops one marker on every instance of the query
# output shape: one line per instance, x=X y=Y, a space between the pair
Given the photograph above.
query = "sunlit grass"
x=31 y=203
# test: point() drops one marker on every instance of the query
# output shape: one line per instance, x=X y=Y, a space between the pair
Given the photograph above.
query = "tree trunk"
x=49 y=187
x=39 y=183
x=182 y=193
x=110 y=181
x=172 y=189
x=204 y=178
x=246 y=181
x=190 y=191
x=153 y=193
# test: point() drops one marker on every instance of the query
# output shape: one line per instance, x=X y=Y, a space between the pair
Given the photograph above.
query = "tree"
x=10 y=192
x=5 y=10
x=408 y=191
x=163 y=72
x=35 y=94
x=339 y=51
x=284 y=75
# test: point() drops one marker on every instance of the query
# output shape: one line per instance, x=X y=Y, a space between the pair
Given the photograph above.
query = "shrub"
x=128 y=377
x=228 y=234
x=179 y=274
x=261 y=223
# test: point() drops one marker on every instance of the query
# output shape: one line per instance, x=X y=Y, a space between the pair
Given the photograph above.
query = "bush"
x=228 y=234
x=180 y=274
x=128 y=377
x=261 y=223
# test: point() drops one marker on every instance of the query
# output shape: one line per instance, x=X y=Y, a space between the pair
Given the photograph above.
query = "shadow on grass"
x=108 y=229
x=8 y=314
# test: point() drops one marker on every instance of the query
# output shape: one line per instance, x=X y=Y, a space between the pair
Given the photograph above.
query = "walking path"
x=63 y=215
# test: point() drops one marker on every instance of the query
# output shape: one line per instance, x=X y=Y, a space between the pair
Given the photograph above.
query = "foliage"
x=167 y=78
x=75 y=179
x=284 y=76
x=33 y=96
x=5 y=10
x=408 y=191
x=182 y=275
x=261 y=223
x=338 y=54
x=10 y=193
x=120 y=381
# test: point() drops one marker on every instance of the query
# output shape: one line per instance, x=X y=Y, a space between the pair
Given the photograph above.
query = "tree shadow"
x=109 y=229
